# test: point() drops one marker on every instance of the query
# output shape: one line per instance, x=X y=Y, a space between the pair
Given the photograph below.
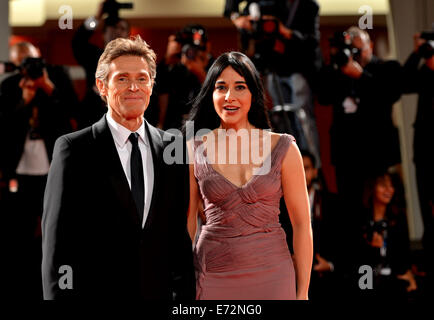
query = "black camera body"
x=427 y=35
x=264 y=28
x=112 y=7
x=379 y=227
x=193 y=39
x=342 y=49
x=190 y=51
x=426 y=50
x=269 y=47
x=32 y=68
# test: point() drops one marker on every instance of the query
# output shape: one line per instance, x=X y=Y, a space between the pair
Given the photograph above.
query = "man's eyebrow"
x=128 y=73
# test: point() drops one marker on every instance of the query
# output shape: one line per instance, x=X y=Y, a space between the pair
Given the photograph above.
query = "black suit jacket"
x=376 y=91
x=90 y=223
x=421 y=80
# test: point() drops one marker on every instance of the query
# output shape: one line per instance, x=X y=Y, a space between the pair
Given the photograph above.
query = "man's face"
x=365 y=47
x=128 y=88
x=17 y=55
x=120 y=30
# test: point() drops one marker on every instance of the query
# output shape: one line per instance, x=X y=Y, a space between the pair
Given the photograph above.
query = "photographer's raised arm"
x=86 y=53
x=386 y=85
x=413 y=80
x=352 y=69
x=30 y=86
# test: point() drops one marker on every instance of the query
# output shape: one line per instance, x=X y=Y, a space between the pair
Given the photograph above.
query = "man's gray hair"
x=134 y=46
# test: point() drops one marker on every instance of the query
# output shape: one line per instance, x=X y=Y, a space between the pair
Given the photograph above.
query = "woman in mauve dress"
x=240 y=170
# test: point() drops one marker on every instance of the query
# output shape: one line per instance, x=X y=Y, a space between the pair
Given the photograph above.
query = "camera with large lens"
x=32 y=68
x=193 y=39
x=268 y=44
x=426 y=50
x=342 y=49
x=112 y=7
x=263 y=29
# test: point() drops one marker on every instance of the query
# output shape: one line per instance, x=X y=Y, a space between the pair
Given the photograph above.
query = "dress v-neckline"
x=253 y=175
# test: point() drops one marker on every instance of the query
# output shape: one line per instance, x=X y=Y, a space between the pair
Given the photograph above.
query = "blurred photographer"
x=35 y=109
x=325 y=218
x=384 y=241
x=362 y=90
x=87 y=53
x=420 y=79
x=181 y=73
x=282 y=39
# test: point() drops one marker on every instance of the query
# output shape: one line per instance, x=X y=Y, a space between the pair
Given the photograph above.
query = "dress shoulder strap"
x=281 y=149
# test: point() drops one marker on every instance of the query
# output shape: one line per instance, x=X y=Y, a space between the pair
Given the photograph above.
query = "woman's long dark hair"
x=203 y=113
x=396 y=208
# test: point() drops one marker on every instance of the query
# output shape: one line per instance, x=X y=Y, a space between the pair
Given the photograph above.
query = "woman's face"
x=384 y=190
x=232 y=99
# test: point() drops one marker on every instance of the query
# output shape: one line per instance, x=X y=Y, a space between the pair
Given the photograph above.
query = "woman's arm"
x=193 y=205
x=297 y=202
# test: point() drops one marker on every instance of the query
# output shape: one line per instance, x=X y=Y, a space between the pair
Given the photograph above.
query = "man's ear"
x=102 y=88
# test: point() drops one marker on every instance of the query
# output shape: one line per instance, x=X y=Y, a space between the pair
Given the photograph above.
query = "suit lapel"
x=111 y=163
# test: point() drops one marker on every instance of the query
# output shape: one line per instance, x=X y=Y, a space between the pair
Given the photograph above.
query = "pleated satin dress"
x=241 y=253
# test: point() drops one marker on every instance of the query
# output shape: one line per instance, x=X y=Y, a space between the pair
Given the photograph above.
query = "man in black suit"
x=362 y=93
x=420 y=78
x=35 y=109
x=113 y=226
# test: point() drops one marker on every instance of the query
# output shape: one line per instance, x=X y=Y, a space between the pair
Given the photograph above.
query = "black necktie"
x=137 y=179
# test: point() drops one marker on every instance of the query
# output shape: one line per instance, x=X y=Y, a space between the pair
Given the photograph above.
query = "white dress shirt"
x=123 y=146
x=34 y=160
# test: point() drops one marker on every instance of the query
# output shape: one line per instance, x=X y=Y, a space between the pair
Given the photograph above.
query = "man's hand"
x=323 y=265
x=417 y=41
x=45 y=83
x=284 y=31
x=377 y=240
x=408 y=276
x=30 y=86
x=172 y=51
x=243 y=22
x=196 y=66
x=352 y=69
x=430 y=63
x=100 y=10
